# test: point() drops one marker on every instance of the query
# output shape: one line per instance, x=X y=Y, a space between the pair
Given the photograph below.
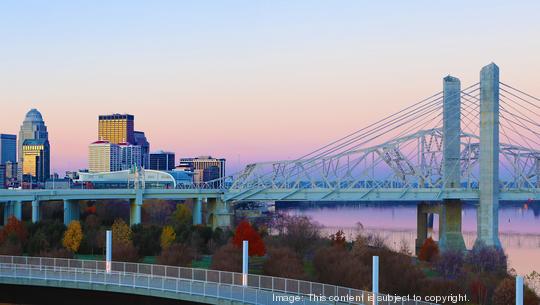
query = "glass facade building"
x=116 y=128
x=36 y=159
x=162 y=160
x=33 y=128
x=8 y=148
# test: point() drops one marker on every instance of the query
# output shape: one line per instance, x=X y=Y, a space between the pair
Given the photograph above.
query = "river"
x=519 y=225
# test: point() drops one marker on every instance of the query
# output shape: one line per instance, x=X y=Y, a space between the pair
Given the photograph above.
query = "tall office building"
x=36 y=159
x=140 y=139
x=32 y=128
x=116 y=128
x=103 y=156
x=130 y=156
x=162 y=161
x=3 y=179
x=8 y=148
x=200 y=164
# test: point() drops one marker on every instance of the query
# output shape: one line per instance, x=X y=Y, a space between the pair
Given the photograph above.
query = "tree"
x=227 y=258
x=181 y=216
x=146 y=239
x=37 y=243
x=177 y=255
x=338 y=239
x=167 y=237
x=244 y=231
x=505 y=293
x=484 y=258
x=429 y=251
x=91 y=231
x=73 y=236
x=123 y=248
x=121 y=232
x=284 y=262
x=450 y=264
x=299 y=233
x=14 y=228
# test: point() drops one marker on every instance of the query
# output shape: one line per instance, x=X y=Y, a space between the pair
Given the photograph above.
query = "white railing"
x=198 y=282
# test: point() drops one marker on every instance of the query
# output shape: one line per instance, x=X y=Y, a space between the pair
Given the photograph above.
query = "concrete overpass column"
x=135 y=206
x=450 y=235
x=197 y=212
x=488 y=209
x=17 y=210
x=219 y=213
x=421 y=227
x=71 y=211
x=36 y=217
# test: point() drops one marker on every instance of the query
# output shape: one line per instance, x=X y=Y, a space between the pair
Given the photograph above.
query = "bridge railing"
x=221 y=284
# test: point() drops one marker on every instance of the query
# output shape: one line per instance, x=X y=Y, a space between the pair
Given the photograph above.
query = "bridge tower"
x=488 y=209
x=450 y=236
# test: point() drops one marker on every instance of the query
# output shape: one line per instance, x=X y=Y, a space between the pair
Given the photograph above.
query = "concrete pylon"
x=71 y=211
x=135 y=207
x=450 y=235
x=12 y=208
x=197 y=212
x=219 y=213
x=488 y=208
x=36 y=217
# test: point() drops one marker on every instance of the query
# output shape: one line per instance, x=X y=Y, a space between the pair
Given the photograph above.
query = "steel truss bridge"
x=477 y=143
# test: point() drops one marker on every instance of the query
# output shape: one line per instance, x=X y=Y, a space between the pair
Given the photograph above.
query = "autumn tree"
x=177 y=255
x=73 y=236
x=123 y=248
x=244 y=231
x=284 y=262
x=182 y=215
x=338 y=239
x=429 y=251
x=121 y=232
x=14 y=228
x=227 y=258
x=167 y=237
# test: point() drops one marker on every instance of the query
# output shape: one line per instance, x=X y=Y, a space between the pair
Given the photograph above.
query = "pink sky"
x=256 y=83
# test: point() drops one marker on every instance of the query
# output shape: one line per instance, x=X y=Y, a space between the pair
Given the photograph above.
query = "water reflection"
x=519 y=224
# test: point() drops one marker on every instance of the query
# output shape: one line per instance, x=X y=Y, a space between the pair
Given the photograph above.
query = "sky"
x=246 y=80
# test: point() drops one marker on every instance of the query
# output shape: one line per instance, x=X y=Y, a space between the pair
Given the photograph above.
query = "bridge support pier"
x=36 y=217
x=488 y=208
x=421 y=227
x=71 y=211
x=12 y=208
x=450 y=235
x=219 y=213
x=135 y=206
x=197 y=212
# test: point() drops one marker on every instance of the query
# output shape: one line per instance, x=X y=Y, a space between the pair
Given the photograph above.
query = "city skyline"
x=248 y=82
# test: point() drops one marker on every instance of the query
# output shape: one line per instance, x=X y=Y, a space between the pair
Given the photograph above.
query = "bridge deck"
x=189 y=284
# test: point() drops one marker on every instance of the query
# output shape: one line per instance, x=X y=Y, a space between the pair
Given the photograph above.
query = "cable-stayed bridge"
x=481 y=142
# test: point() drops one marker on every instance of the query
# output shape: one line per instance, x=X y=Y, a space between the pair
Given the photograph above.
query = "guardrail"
x=199 y=282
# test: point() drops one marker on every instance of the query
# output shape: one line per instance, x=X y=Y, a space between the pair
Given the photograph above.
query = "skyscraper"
x=200 y=164
x=8 y=148
x=130 y=155
x=36 y=159
x=32 y=128
x=140 y=139
x=162 y=160
x=103 y=156
x=116 y=128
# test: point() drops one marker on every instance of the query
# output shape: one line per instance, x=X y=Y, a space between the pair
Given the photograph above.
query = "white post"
x=245 y=262
x=375 y=279
x=108 y=251
x=519 y=290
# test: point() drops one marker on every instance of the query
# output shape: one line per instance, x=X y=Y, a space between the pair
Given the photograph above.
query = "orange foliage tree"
x=14 y=227
x=244 y=231
x=429 y=251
